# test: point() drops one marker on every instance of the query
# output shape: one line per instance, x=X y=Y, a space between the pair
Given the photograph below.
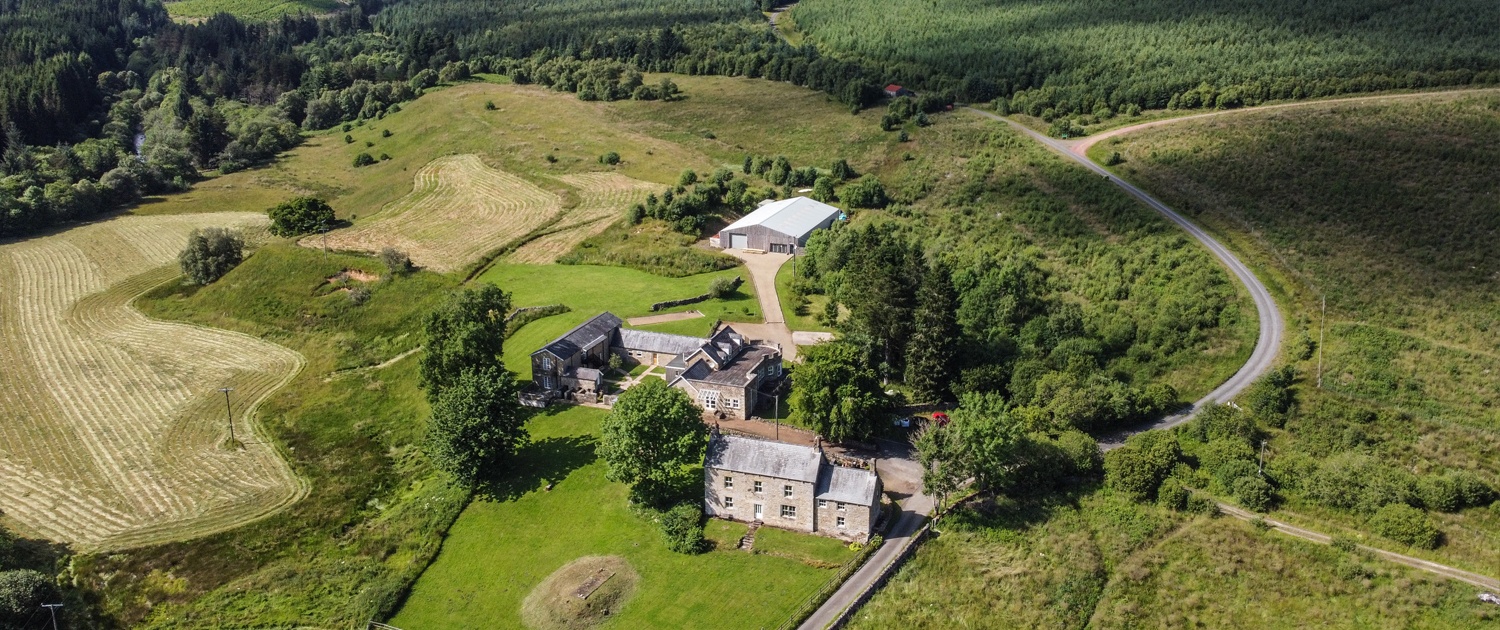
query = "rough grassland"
x=1098 y=562
x=114 y=433
x=503 y=547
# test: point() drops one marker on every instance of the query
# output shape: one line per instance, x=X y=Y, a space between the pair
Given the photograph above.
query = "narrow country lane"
x=1262 y=359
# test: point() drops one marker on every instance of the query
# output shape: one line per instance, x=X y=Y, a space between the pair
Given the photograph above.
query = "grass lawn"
x=815 y=304
x=818 y=551
x=502 y=547
x=590 y=290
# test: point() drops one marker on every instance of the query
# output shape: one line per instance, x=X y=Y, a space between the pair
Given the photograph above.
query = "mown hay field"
x=115 y=432
x=460 y=209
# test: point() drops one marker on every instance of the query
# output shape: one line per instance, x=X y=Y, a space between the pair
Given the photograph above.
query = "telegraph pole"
x=1322 y=323
x=229 y=411
x=52 y=608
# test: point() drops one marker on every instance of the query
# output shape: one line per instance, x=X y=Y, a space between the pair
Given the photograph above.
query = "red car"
x=940 y=418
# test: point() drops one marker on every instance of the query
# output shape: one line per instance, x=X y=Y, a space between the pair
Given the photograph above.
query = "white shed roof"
x=796 y=217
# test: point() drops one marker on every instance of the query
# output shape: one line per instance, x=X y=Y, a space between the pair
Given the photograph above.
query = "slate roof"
x=795 y=217
x=589 y=374
x=658 y=342
x=586 y=335
x=760 y=457
x=848 y=485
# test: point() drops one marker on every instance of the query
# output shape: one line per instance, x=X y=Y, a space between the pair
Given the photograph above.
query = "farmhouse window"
x=788 y=511
x=547 y=381
x=822 y=503
x=731 y=403
x=757 y=487
x=710 y=399
x=728 y=482
x=729 y=504
x=841 y=522
x=546 y=362
x=842 y=507
x=786 y=491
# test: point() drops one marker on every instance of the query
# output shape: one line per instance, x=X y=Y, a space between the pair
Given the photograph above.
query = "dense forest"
x=1088 y=56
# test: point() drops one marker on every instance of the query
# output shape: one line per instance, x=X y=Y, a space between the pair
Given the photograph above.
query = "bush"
x=1405 y=524
x=867 y=192
x=1344 y=544
x=359 y=295
x=683 y=528
x=1199 y=504
x=1355 y=481
x=489 y=105
x=385 y=133
x=688 y=178
x=396 y=260
x=348 y=139
x=721 y=287
x=363 y=159
x=610 y=158
x=22 y=593
x=1454 y=491
x=1138 y=468
x=210 y=253
x=1253 y=493
x=1172 y=495
x=303 y=215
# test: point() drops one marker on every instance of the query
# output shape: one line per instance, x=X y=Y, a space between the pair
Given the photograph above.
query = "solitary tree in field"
x=477 y=424
x=303 y=215
x=466 y=333
x=650 y=439
x=210 y=253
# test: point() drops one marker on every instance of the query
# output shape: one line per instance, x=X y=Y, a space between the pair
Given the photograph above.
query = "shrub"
x=1454 y=491
x=303 y=215
x=1138 y=468
x=721 y=287
x=1115 y=159
x=610 y=158
x=1199 y=504
x=1344 y=544
x=1405 y=524
x=396 y=260
x=348 y=139
x=385 y=133
x=1172 y=495
x=867 y=192
x=1355 y=481
x=683 y=528
x=359 y=295
x=1253 y=493
x=489 y=105
x=22 y=593
x=688 y=178
x=210 y=253
x=363 y=159
x=385 y=157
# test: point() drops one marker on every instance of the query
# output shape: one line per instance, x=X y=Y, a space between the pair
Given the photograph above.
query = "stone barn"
x=779 y=227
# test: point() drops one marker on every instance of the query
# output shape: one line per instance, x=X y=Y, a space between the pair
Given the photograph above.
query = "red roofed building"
x=894 y=91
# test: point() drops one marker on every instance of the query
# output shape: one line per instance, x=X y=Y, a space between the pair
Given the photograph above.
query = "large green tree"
x=210 y=253
x=836 y=392
x=302 y=215
x=466 y=333
x=1137 y=469
x=477 y=424
x=651 y=439
x=932 y=352
x=878 y=286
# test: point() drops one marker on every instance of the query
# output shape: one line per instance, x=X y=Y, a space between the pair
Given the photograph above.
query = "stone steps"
x=747 y=542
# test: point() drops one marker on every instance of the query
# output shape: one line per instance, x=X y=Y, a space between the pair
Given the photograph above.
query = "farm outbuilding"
x=779 y=227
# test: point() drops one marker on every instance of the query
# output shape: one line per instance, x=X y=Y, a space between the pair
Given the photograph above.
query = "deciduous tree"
x=302 y=215
x=467 y=332
x=477 y=424
x=651 y=439
x=835 y=392
x=210 y=253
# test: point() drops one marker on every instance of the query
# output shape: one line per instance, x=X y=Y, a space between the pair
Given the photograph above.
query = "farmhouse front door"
x=759 y=511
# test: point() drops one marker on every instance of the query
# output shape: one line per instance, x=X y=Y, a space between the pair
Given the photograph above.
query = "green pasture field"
x=249 y=9
x=504 y=546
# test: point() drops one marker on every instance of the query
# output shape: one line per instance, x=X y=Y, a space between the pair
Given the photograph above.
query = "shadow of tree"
x=548 y=460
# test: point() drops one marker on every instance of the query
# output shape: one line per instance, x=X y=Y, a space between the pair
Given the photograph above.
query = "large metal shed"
x=779 y=227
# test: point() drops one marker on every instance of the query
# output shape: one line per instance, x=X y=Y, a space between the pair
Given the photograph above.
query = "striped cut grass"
x=114 y=433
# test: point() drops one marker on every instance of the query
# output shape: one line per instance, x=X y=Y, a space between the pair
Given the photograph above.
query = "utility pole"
x=1322 y=323
x=52 y=608
x=229 y=411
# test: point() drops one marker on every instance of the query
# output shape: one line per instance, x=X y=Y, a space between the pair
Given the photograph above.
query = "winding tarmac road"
x=1262 y=359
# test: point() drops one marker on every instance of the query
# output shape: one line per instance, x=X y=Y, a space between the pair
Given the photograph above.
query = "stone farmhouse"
x=724 y=373
x=788 y=486
x=779 y=227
